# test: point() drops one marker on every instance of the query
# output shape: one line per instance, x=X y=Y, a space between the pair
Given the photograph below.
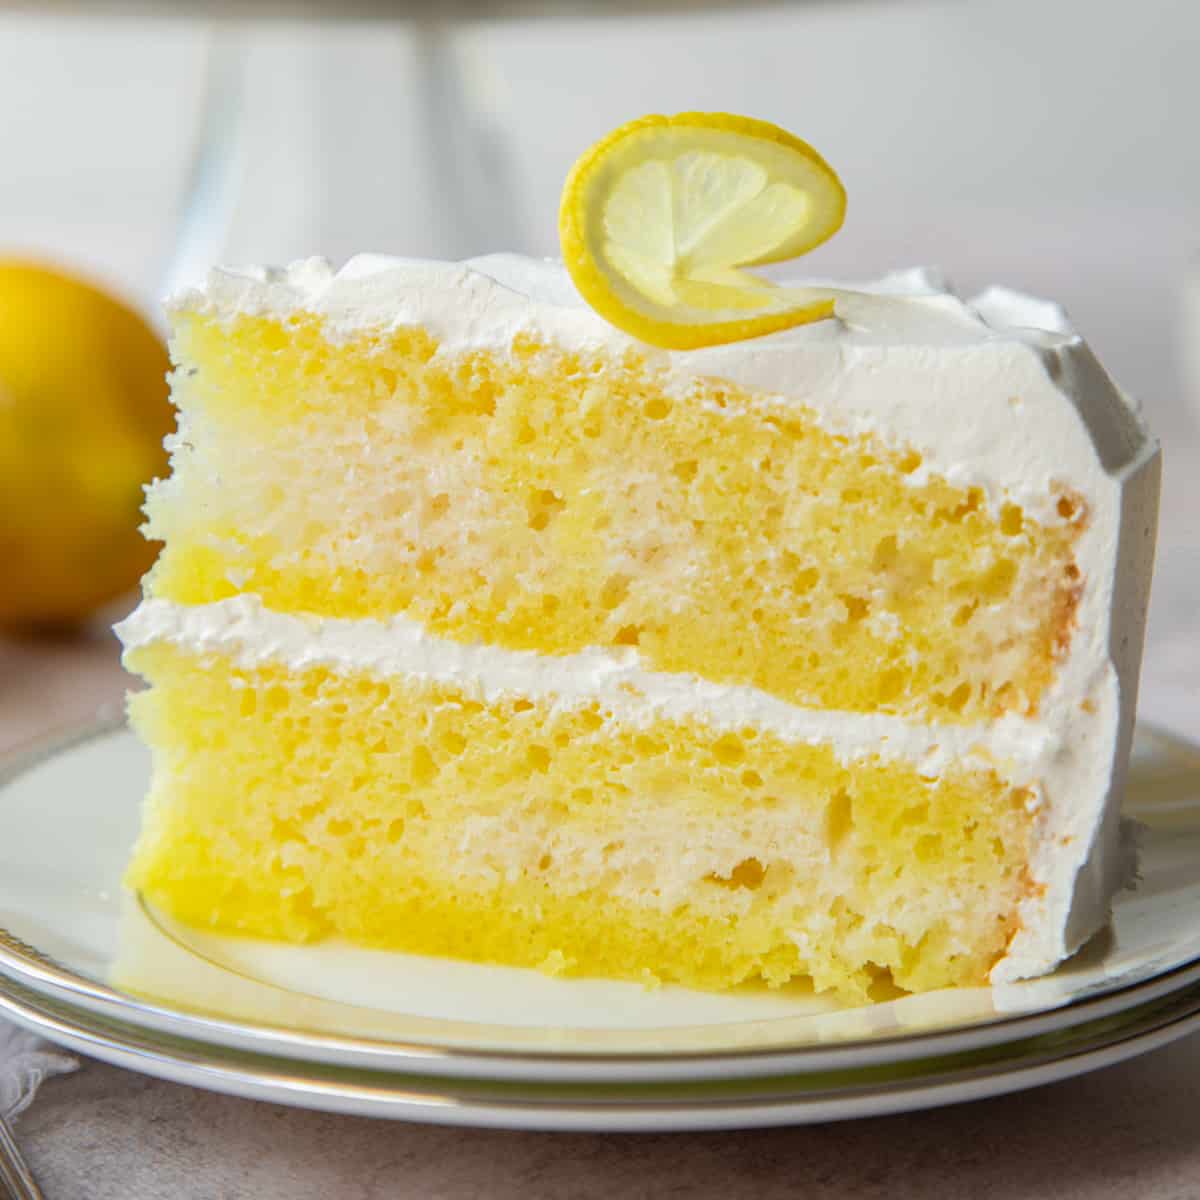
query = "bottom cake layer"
x=418 y=817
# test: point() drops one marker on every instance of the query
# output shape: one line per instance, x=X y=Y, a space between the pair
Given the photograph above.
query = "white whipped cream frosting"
x=998 y=392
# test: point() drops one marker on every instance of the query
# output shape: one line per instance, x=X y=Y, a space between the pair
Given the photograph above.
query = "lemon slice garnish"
x=660 y=219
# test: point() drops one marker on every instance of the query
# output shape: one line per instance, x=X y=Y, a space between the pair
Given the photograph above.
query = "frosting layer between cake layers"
x=999 y=394
x=242 y=630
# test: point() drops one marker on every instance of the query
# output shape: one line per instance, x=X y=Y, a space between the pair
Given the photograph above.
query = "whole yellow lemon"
x=83 y=413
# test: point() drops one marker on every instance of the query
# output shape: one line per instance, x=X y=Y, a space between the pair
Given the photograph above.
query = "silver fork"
x=16 y=1179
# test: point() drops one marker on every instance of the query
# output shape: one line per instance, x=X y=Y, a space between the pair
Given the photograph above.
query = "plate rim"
x=399 y=1097
x=25 y=965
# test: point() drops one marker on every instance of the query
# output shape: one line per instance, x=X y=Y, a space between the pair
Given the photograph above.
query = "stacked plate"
x=345 y=1029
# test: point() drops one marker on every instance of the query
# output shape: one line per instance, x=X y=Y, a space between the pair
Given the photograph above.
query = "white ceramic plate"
x=641 y=1107
x=70 y=937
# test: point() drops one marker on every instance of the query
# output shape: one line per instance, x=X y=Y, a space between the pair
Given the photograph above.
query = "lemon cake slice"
x=483 y=629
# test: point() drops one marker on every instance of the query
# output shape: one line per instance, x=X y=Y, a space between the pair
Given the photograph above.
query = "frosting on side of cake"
x=998 y=393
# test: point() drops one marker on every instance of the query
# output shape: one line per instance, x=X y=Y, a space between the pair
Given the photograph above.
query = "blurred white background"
x=1050 y=145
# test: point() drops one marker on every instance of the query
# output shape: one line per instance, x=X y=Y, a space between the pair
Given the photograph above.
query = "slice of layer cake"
x=484 y=630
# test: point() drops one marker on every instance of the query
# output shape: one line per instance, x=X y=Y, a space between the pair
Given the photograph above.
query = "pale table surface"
x=1130 y=1131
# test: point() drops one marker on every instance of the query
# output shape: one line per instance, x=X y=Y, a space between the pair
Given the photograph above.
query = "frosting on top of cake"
x=377 y=289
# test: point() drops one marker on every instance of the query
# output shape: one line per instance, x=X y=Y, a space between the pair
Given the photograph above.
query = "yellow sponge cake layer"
x=551 y=500
x=560 y=833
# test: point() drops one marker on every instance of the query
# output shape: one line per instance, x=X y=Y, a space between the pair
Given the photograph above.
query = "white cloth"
x=26 y=1062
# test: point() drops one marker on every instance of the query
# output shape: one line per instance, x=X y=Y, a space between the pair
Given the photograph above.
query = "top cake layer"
x=907 y=510
x=998 y=391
